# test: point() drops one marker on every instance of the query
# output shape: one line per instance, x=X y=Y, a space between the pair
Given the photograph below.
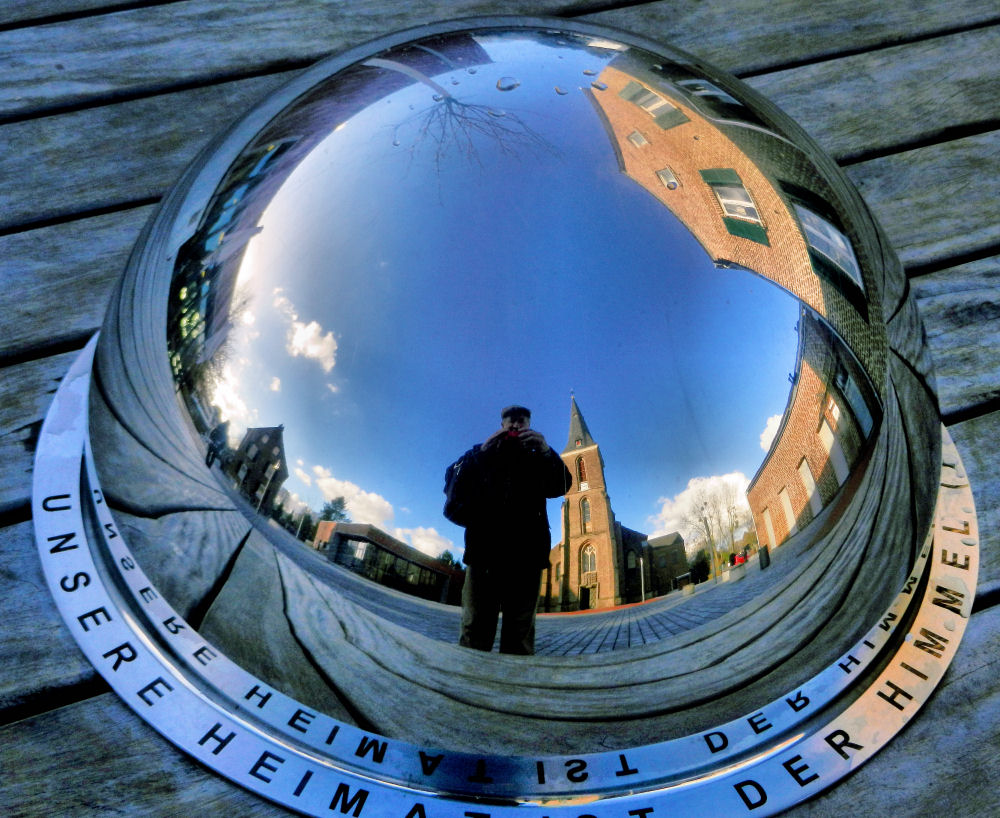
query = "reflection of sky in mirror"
x=402 y=294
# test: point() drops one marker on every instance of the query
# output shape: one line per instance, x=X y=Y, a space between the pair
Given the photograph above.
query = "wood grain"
x=39 y=657
x=98 y=758
x=960 y=307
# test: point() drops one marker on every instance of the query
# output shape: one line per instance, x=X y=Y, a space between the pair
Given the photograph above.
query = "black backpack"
x=460 y=490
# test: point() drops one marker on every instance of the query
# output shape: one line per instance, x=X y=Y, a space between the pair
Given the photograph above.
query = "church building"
x=599 y=563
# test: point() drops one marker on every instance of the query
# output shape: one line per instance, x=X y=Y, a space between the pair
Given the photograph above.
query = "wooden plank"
x=97 y=758
x=146 y=142
x=960 y=307
x=27 y=392
x=931 y=93
x=25 y=12
x=37 y=653
x=72 y=63
x=747 y=36
x=978 y=442
x=927 y=199
x=144 y=145
x=47 y=270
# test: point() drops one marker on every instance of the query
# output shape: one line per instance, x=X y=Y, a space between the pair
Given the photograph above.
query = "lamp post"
x=273 y=469
x=642 y=580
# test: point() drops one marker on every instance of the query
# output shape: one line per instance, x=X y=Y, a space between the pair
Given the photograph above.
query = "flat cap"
x=515 y=411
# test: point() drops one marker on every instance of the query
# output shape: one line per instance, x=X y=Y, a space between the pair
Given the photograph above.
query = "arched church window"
x=581 y=470
x=588 y=560
x=585 y=514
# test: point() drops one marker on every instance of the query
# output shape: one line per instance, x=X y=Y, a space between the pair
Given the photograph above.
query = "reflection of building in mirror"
x=831 y=414
x=205 y=298
x=371 y=553
x=203 y=305
x=747 y=194
x=258 y=466
x=599 y=563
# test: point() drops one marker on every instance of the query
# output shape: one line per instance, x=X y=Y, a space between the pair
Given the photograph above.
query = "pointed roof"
x=578 y=430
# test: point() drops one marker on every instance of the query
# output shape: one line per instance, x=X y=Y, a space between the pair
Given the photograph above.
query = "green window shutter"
x=631 y=91
x=671 y=119
x=721 y=176
x=746 y=230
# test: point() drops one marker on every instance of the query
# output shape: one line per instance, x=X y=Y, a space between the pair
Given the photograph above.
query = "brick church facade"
x=599 y=563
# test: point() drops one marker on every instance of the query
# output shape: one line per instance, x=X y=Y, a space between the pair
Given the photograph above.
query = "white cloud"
x=332 y=388
x=363 y=506
x=306 y=340
x=276 y=384
x=770 y=430
x=425 y=539
x=309 y=341
x=303 y=476
x=674 y=512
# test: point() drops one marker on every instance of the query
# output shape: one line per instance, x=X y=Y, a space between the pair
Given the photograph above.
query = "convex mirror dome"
x=337 y=300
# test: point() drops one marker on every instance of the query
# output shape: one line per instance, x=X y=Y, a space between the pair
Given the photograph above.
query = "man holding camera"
x=497 y=491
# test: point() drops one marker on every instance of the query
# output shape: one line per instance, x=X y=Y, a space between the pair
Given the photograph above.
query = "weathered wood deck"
x=104 y=103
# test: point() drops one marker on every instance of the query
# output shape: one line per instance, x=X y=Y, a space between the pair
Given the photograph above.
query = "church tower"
x=585 y=568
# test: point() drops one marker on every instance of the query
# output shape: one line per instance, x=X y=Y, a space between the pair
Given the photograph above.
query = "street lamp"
x=642 y=581
x=273 y=469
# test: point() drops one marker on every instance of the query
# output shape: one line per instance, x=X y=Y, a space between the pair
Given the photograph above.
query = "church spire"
x=579 y=434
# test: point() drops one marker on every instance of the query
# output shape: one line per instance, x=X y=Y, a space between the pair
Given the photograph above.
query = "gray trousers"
x=490 y=590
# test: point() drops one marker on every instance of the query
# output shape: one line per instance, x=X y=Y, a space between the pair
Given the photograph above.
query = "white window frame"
x=829 y=242
x=733 y=205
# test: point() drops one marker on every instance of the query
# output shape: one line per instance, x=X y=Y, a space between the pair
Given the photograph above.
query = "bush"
x=699 y=567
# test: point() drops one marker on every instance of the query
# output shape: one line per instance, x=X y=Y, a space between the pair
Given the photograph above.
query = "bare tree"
x=714 y=516
x=451 y=123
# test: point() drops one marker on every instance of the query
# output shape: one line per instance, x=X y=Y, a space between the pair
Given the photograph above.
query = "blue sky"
x=400 y=295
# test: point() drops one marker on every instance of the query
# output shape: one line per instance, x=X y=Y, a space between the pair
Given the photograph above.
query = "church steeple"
x=579 y=434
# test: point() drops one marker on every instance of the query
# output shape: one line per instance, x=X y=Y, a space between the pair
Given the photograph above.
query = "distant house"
x=668 y=562
x=259 y=466
x=375 y=555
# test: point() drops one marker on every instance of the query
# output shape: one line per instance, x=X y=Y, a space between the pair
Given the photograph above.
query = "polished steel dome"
x=345 y=289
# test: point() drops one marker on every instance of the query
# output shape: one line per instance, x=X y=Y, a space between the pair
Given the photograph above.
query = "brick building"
x=831 y=413
x=259 y=466
x=748 y=195
x=372 y=553
x=599 y=563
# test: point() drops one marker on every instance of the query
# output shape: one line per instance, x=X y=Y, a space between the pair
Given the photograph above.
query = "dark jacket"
x=502 y=491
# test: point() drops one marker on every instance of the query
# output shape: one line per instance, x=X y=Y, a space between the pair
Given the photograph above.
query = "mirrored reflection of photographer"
x=497 y=491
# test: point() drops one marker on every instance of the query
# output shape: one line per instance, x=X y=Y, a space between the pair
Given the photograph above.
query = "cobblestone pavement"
x=556 y=634
x=570 y=634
